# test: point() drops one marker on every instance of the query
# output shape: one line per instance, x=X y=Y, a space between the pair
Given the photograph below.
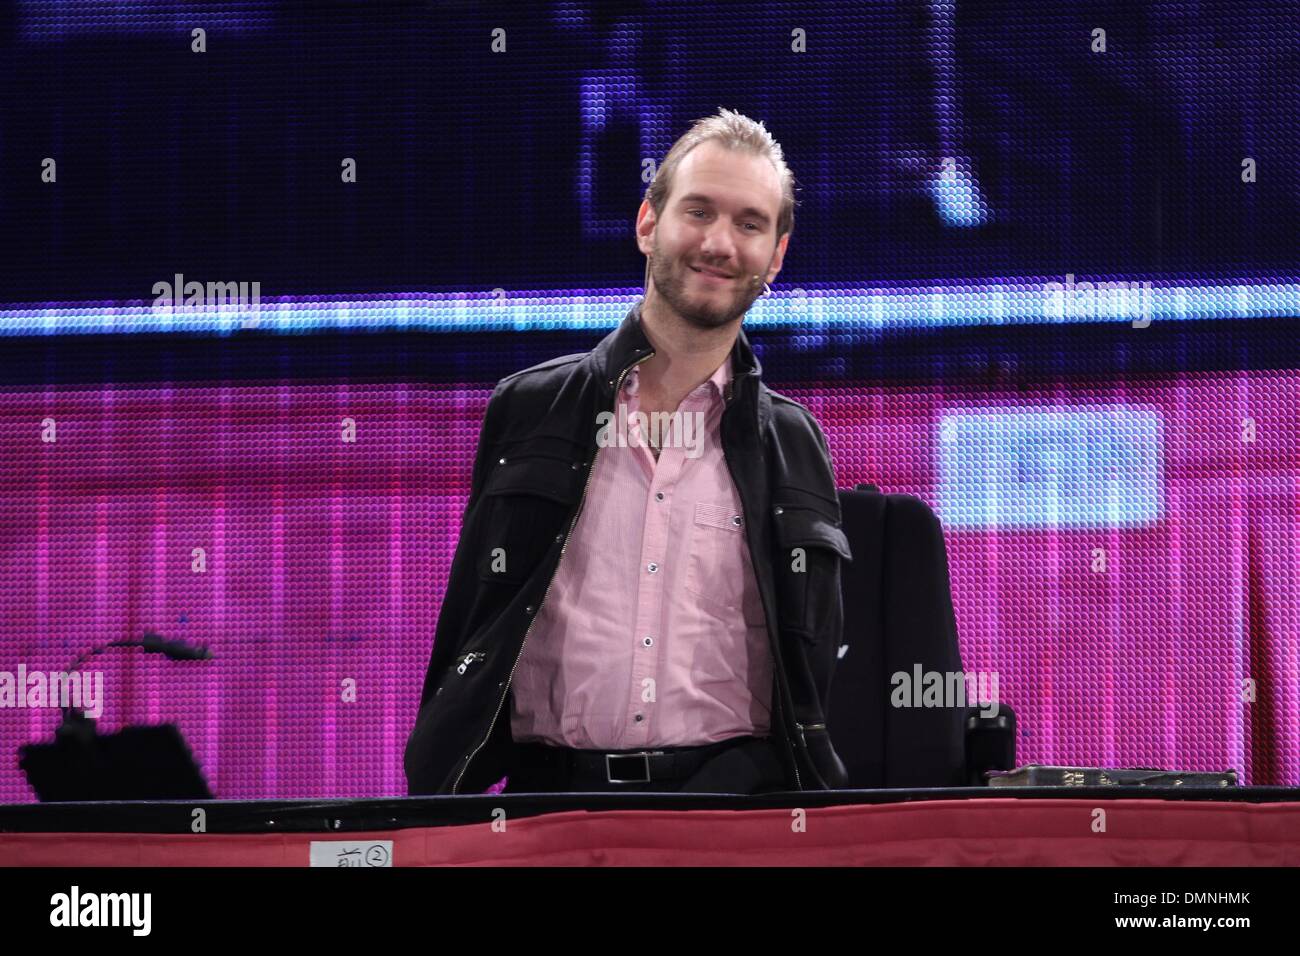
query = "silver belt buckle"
x=644 y=756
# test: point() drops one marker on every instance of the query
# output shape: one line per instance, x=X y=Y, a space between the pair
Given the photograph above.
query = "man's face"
x=717 y=231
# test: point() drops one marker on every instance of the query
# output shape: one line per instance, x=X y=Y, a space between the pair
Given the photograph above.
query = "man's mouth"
x=710 y=273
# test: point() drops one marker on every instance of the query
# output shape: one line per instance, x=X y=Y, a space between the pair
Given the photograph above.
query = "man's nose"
x=717 y=247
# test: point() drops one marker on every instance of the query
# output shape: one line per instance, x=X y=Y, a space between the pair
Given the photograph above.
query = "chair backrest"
x=898 y=619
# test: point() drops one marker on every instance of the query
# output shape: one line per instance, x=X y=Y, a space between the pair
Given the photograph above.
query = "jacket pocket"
x=527 y=502
x=809 y=548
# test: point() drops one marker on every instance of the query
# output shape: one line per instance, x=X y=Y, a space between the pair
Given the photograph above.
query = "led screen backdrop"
x=1115 y=466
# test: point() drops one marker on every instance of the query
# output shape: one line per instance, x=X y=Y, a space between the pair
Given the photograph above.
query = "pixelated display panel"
x=928 y=139
x=1121 y=539
x=237 y=516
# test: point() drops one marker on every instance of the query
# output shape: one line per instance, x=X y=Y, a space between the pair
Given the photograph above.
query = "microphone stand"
x=135 y=763
x=79 y=728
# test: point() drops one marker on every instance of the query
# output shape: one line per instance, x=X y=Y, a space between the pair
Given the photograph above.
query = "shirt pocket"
x=717 y=569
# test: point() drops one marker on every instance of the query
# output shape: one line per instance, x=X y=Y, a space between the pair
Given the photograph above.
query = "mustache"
x=713 y=269
x=751 y=280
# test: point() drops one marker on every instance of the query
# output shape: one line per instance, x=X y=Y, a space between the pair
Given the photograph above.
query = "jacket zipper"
x=572 y=524
x=469 y=659
x=776 y=691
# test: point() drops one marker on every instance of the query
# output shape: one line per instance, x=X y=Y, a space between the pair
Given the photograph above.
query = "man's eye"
x=756 y=227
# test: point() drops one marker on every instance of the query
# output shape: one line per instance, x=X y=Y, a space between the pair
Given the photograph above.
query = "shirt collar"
x=622 y=347
x=718 y=384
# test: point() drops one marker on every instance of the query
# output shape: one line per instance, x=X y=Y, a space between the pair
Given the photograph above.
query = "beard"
x=693 y=300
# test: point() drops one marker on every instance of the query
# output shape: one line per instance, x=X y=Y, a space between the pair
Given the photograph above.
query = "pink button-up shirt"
x=652 y=633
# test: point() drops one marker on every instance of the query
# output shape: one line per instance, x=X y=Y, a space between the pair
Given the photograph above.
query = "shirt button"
x=639 y=718
x=647 y=641
x=736 y=520
x=653 y=567
x=559 y=538
x=659 y=496
x=778 y=510
x=501 y=462
x=529 y=609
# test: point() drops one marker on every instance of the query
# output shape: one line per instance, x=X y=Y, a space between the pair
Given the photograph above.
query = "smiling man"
x=638 y=615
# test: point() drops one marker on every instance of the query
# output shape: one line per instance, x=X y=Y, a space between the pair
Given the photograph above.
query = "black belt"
x=621 y=766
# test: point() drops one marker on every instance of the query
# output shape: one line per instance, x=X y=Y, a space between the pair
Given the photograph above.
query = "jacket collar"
x=628 y=343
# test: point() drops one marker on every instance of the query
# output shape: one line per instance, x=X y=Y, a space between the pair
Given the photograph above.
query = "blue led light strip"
x=899 y=308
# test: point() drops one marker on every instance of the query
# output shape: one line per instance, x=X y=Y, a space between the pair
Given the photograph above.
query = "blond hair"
x=734 y=131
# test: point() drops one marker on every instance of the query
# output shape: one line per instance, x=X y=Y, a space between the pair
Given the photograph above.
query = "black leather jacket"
x=530 y=477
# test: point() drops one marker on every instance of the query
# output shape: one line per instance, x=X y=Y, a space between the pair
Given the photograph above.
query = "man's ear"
x=645 y=227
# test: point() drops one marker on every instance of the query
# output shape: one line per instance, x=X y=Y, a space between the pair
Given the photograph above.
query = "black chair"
x=897 y=616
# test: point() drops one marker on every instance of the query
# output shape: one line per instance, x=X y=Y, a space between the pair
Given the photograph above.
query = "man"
x=638 y=608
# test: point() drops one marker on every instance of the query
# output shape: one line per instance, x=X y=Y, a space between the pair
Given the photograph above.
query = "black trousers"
x=751 y=765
